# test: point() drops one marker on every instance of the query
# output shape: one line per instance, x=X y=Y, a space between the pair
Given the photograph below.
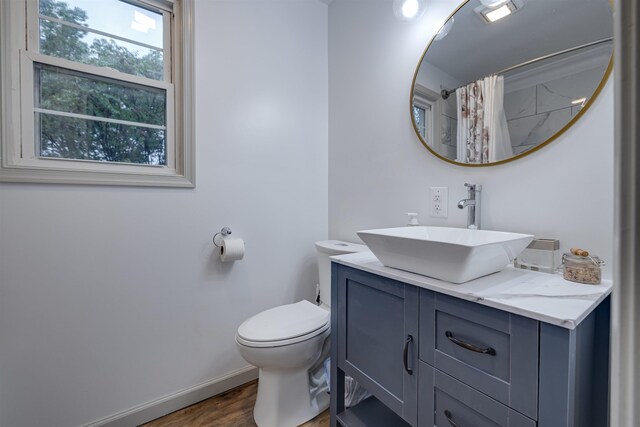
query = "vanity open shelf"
x=433 y=354
x=371 y=413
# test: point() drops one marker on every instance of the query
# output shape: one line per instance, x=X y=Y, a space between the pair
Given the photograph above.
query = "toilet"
x=289 y=344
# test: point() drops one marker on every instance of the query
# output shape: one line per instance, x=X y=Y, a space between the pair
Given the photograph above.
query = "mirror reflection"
x=504 y=77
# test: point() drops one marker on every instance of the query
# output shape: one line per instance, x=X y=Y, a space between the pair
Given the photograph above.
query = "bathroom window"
x=104 y=95
x=422 y=113
x=423 y=117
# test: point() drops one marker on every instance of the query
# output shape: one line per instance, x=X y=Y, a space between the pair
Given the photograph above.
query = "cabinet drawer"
x=446 y=402
x=491 y=350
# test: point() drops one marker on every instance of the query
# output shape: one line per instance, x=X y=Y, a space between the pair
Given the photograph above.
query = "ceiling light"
x=499 y=13
x=491 y=15
x=408 y=10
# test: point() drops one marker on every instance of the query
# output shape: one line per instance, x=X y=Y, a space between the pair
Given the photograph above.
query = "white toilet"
x=289 y=344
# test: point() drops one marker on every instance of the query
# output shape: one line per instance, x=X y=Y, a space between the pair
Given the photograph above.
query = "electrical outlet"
x=439 y=202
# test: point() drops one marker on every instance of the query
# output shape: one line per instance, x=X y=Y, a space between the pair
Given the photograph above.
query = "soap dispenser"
x=413 y=219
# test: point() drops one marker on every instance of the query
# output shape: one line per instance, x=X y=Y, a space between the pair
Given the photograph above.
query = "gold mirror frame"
x=555 y=136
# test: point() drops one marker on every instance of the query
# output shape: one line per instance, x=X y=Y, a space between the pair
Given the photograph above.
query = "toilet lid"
x=284 y=322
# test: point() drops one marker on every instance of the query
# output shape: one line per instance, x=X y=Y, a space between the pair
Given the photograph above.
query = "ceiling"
x=474 y=49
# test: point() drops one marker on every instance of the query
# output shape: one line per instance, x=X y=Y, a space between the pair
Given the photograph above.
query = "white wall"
x=113 y=297
x=378 y=170
x=435 y=79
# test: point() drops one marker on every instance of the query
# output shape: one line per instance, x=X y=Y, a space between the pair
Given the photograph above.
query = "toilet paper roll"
x=231 y=249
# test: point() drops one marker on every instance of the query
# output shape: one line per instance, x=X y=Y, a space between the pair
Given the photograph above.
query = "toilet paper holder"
x=224 y=232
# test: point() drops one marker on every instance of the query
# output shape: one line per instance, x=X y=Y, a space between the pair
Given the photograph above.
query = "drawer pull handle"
x=450 y=419
x=405 y=355
x=468 y=346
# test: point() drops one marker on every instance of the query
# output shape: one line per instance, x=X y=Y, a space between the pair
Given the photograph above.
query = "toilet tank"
x=326 y=249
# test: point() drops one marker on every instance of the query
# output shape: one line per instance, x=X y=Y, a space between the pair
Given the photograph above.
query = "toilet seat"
x=284 y=325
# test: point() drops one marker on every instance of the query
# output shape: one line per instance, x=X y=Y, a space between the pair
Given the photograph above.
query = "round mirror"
x=503 y=78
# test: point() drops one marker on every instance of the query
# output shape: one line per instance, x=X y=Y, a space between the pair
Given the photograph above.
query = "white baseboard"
x=151 y=410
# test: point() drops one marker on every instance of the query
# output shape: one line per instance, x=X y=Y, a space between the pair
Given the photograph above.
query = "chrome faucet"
x=473 y=203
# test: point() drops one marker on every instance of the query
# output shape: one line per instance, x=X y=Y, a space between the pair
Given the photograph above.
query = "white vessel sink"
x=452 y=254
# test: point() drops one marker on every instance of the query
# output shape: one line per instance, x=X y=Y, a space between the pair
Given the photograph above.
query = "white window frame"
x=19 y=160
x=427 y=106
x=427 y=99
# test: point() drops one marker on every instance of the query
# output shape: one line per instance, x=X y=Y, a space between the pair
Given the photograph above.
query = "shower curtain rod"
x=445 y=93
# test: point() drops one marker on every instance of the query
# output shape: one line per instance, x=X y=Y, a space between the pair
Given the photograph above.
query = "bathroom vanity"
x=514 y=349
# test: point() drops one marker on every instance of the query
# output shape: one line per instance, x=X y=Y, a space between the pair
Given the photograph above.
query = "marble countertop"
x=540 y=296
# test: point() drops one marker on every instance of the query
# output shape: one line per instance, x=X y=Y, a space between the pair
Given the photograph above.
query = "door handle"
x=405 y=355
x=449 y=417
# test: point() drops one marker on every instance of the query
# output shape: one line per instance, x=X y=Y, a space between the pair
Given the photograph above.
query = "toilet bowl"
x=289 y=344
x=286 y=342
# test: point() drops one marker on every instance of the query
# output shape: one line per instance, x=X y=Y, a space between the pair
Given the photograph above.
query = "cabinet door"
x=377 y=329
x=446 y=402
x=491 y=350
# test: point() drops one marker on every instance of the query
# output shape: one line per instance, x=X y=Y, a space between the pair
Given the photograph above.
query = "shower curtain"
x=483 y=135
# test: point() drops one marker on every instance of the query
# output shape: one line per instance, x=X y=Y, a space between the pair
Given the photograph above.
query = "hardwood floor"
x=231 y=409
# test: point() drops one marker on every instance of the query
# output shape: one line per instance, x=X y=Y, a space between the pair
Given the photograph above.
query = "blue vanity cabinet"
x=429 y=359
x=377 y=331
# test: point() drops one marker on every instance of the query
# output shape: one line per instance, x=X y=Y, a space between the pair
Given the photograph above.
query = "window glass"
x=420 y=117
x=116 y=121
x=106 y=33
x=75 y=92
x=80 y=139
